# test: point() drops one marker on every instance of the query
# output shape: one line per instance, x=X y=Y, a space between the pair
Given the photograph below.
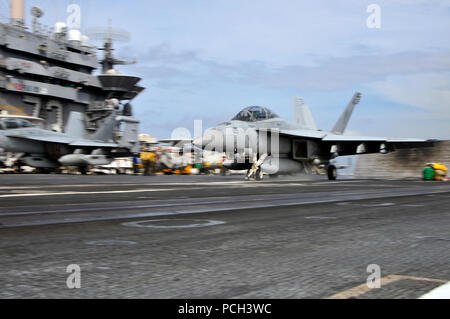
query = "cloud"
x=202 y=57
x=163 y=53
x=343 y=73
x=186 y=122
x=424 y=90
x=189 y=81
x=163 y=63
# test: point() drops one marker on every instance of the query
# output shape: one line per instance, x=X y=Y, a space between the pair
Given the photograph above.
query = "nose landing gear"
x=255 y=171
x=331 y=172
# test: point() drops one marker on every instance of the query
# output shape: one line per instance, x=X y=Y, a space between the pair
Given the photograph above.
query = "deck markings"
x=90 y=193
x=364 y=288
x=111 y=242
x=151 y=223
x=441 y=292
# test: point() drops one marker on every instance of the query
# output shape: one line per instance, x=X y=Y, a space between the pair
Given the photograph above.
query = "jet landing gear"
x=332 y=172
x=258 y=175
x=83 y=170
x=255 y=171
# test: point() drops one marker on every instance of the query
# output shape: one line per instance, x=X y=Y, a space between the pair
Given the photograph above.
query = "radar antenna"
x=37 y=13
x=108 y=36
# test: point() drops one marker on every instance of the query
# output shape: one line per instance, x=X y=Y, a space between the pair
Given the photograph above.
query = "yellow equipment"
x=440 y=167
x=148 y=156
x=440 y=171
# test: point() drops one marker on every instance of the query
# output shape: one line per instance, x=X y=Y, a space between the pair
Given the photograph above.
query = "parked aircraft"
x=47 y=149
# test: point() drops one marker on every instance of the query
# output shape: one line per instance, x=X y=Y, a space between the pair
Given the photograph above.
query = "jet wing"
x=312 y=134
x=66 y=140
x=350 y=138
x=87 y=143
x=370 y=139
x=48 y=139
x=176 y=141
x=352 y=145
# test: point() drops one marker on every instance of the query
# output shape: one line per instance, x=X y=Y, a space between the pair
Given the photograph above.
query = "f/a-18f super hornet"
x=258 y=140
x=45 y=149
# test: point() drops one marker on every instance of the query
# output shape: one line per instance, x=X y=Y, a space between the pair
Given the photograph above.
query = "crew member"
x=135 y=165
x=152 y=163
x=145 y=158
x=428 y=172
x=440 y=171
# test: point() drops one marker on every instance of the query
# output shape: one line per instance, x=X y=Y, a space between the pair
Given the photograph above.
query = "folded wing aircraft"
x=48 y=149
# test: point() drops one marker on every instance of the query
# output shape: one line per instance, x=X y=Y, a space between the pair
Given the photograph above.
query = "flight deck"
x=221 y=237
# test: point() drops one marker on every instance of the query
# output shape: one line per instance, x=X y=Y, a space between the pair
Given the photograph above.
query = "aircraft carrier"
x=194 y=236
x=48 y=73
x=221 y=237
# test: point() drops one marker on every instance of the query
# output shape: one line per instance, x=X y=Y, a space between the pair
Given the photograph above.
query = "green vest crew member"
x=428 y=173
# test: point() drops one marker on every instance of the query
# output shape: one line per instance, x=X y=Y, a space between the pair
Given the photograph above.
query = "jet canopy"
x=255 y=113
x=10 y=123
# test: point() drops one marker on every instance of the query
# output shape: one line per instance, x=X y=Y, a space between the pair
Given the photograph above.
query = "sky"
x=207 y=59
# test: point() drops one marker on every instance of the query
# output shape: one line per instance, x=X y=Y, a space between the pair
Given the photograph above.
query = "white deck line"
x=441 y=292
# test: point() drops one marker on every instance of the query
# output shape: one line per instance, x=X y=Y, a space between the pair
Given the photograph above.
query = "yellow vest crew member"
x=440 y=171
x=149 y=162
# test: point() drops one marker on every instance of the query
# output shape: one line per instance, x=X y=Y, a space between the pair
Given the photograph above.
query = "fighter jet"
x=259 y=141
x=45 y=149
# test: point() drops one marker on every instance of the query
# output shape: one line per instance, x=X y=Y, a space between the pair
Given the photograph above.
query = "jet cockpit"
x=12 y=123
x=255 y=113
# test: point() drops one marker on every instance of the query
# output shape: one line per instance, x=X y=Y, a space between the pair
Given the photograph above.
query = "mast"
x=17 y=12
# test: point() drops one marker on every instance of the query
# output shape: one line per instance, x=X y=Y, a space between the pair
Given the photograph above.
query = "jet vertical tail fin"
x=341 y=124
x=75 y=125
x=130 y=138
x=105 y=132
x=303 y=115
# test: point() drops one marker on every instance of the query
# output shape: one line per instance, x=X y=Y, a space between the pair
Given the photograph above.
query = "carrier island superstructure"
x=48 y=74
